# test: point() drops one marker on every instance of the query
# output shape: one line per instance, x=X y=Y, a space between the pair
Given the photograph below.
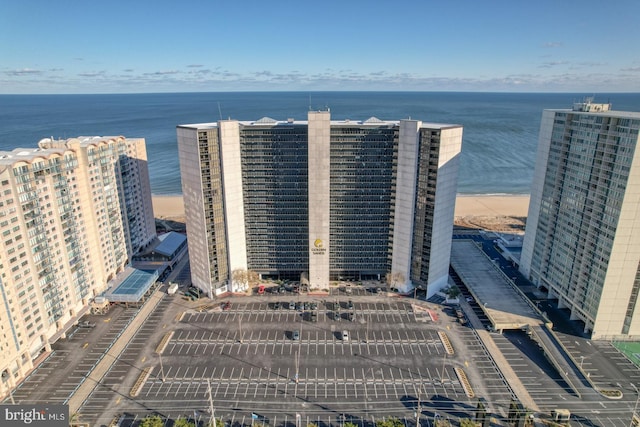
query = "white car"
x=345 y=335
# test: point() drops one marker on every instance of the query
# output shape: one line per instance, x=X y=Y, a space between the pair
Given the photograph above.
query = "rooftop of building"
x=130 y=285
x=50 y=146
x=587 y=106
x=169 y=243
x=270 y=122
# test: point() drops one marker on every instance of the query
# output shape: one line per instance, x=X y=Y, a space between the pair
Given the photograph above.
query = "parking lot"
x=247 y=358
x=605 y=367
x=55 y=379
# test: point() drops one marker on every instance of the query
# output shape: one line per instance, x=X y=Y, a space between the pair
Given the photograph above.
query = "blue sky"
x=114 y=46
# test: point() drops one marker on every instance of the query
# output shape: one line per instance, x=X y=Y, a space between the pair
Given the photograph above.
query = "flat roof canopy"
x=169 y=243
x=503 y=305
x=131 y=285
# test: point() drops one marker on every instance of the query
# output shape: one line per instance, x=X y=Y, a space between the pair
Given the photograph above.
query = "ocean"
x=498 y=149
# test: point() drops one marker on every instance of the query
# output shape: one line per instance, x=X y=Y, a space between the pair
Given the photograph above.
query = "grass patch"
x=630 y=349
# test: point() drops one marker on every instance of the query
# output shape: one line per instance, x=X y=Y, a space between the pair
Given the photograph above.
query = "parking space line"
x=306 y=381
x=168 y=389
x=238 y=381
x=287 y=381
x=315 y=382
x=384 y=384
x=158 y=390
x=228 y=380
x=195 y=393
x=355 y=387
x=402 y=383
x=218 y=383
x=344 y=381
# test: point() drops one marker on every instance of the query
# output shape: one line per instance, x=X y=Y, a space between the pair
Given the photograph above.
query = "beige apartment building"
x=319 y=200
x=582 y=241
x=72 y=214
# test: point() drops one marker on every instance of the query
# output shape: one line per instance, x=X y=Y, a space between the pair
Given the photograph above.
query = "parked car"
x=295 y=335
x=292 y=305
x=86 y=324
x=345 y=335
x=226 y=305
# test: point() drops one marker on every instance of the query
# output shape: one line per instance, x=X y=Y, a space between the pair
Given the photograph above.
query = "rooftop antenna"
x=219 y=111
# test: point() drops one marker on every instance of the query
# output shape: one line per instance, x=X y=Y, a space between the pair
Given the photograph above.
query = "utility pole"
x=366 y=333
x=635 y=408
x=161 y=367
x=418 y=409
x=212 y=422
x=444 y=359
x=240 y=324
x=297 y=365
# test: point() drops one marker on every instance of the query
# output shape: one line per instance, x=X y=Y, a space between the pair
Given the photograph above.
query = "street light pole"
x=161 y=367
x=211 y=408
x=444 y=359
x=418 y=409
x=366 y=334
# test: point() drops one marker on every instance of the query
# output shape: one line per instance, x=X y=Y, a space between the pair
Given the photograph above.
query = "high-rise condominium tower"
x=319 y=200
x=582 y=239
x=72 y=214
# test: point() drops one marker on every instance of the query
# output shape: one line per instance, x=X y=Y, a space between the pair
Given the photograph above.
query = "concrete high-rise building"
x=319 y=200
x=582 y=240
x=72 y=214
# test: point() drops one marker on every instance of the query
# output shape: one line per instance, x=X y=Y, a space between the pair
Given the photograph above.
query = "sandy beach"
x=168 y=207
x=498 y=213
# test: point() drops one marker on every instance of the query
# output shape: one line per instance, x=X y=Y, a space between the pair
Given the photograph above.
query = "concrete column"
x=319 y=161
x=233 y=198
x=405 y=201
x=47 y=345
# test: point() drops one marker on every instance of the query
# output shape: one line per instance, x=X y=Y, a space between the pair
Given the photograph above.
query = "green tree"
x=350 y=424
x=390 y=422
x=183 y=422
x=467 y=422
x=452 y=292
x=152 y=421
x=312 y=425
x=442 y=423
